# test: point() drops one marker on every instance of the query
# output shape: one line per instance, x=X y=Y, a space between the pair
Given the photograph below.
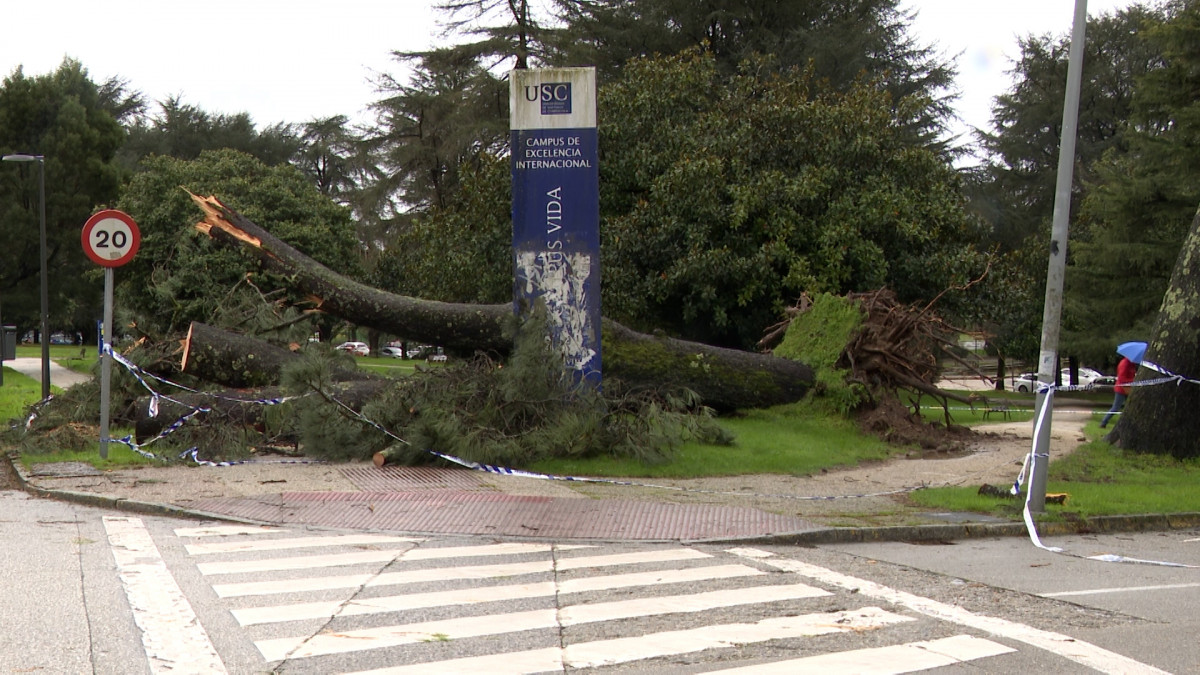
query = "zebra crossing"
x=374 y=603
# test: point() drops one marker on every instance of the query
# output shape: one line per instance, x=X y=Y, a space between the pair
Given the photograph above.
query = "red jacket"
x=1126 y=373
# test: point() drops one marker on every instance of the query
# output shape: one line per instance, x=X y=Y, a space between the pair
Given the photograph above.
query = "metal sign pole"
x=1056 y=271
x=106 y=361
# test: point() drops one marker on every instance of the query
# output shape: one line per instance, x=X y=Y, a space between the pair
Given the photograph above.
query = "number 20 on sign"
x=110 y=238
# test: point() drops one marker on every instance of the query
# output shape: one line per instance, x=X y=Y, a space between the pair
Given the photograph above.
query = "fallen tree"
x=725 y=379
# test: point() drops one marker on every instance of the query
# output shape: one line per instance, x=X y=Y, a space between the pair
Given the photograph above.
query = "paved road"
x=1149 y=585
x=99 y=591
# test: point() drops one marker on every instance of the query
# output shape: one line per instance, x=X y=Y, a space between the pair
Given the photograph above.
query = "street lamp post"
x=41 y=162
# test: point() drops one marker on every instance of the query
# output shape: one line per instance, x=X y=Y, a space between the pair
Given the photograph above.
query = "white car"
x=355 y=348
x=1025 y=383
x=393 y=352
x=1087 y=376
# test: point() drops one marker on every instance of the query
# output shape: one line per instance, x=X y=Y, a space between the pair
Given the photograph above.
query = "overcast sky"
x=296 y=60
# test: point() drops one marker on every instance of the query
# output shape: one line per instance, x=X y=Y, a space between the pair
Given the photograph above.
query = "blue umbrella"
x=1134 y=351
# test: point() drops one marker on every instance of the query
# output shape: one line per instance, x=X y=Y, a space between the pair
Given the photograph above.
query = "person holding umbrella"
x=1131 y=355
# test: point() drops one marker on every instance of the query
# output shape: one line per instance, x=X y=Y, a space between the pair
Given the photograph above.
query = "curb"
x=831 y=535
x=949 y=532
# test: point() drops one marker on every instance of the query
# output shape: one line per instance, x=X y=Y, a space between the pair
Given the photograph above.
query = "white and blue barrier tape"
x=192 y=454
x=1030 y=465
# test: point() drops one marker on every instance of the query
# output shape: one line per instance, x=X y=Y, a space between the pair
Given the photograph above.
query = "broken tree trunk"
x=726 y=379
x=237 y=361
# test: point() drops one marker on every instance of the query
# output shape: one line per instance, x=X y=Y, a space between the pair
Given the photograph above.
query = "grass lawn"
x=1099 y=480
x=792 y=439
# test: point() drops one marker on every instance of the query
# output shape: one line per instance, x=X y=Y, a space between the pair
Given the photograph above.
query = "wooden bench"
x=998 y=409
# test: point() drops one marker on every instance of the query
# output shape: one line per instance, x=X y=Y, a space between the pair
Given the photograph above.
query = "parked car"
x=1025 y=383
x=355 y=348
x=1086 y=376
x=392 y=352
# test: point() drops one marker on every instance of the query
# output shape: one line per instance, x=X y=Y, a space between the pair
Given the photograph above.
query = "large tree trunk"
x=1163 y=419
x=237 y=361
x=726 y=379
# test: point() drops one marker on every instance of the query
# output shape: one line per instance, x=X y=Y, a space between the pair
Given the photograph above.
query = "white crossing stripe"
x=452 y=573
x=494 y=624
x=240 y=545
x=1084 y=653
x=656 y=645
x=364 y=557
x=894 y=660
x=225 y=530
x=477 y=595
x=172 y=636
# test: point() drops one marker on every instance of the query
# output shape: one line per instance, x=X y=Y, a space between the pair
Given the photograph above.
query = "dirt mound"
x=896 y=424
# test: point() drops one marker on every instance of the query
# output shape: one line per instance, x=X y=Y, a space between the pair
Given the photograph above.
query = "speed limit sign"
x=111 y=238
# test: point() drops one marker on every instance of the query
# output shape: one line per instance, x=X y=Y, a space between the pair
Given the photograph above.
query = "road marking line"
x=655 y=645
x=172 y=636
x=225 y=530
x=495 y=624
x=1126 y=589
x=1065 y=646
x=894 y=660
x=477 y=595
x=241 y=545
x=342 y=559
x=450 y=573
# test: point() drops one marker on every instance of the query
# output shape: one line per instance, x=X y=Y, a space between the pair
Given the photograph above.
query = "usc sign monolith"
x=556 y=208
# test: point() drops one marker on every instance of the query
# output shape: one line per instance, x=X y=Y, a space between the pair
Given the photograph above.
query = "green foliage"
x=512 y=414
x=180 y=275
x=1139 y=211
x=433 y=130
x=839 y=39
x=1023 y=151
x=65 y=117
x=185 y=131
x=818 y=337
x=725 y=198
x=460 y=254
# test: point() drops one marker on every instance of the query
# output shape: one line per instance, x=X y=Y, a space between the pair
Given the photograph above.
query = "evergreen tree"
x=184 y=131
x=180 y=275
x=841 y=40
x=1136 y=215
x=68 y=119
x=1022 y=151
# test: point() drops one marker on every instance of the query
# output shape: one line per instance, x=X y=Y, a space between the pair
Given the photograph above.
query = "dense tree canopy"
x=1137 y=213
x=184 y=131
x=1014 y=190
x=724 y=198
x=67 y=118
x=841 y=40
x=179 y=276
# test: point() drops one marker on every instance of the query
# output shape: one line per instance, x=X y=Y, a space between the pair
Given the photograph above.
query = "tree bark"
x=238 y=361
x=1162 y=419
x=725 y=379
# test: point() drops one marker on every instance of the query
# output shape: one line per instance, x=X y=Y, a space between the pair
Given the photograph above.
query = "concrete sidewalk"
x=59 y=376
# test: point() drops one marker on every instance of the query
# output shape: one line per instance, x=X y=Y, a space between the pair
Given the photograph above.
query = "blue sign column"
x=556 y=208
